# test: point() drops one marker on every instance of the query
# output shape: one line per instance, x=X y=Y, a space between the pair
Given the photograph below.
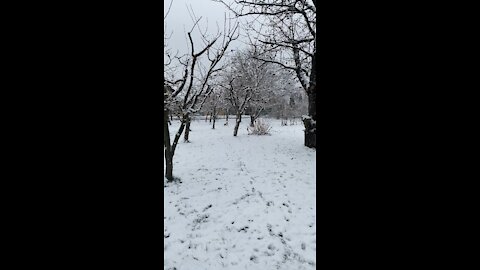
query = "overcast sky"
x=180 y=23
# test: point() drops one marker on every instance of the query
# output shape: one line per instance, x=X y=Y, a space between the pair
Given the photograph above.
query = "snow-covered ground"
x=245 y=202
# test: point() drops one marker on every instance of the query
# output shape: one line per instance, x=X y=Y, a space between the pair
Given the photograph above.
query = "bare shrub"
x=260 y=127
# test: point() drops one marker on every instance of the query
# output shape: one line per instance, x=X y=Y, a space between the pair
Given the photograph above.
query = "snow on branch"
x=287 y=29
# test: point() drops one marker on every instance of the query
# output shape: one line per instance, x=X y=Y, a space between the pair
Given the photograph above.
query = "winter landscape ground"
x=245 y=202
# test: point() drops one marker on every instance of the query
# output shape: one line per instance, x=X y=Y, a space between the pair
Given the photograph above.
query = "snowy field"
x=245 y=202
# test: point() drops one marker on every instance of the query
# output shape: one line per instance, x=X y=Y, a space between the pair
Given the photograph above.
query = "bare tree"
x=238 y=96
x=277 y=87
x=253 y=85
x=189 y=91
x=264 y=88
x=242 y=84
x=286 y=28
x=213 y=103
x=217 y=102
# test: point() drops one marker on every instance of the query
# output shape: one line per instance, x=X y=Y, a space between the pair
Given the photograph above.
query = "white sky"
x=179 y=21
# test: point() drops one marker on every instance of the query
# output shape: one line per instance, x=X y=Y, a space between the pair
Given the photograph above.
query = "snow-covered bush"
x=260 y=127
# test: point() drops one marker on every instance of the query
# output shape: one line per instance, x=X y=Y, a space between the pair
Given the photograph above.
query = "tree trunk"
x=214 y=117
x=311 y=124
x=170 y=150
x=169 y=166
x=254 y=115
x=206 y=117
x=237 y=124
x=226 y=118
x=187 y=128
x=167 y=147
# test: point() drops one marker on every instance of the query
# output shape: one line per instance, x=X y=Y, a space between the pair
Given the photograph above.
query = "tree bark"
x=214 y=117
x=169 y=167
x=170 y=151
x=311 y=124
x=254 y=115
x=187 y=128
x=167 y=148
x=226 y=118
x=237 y=124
